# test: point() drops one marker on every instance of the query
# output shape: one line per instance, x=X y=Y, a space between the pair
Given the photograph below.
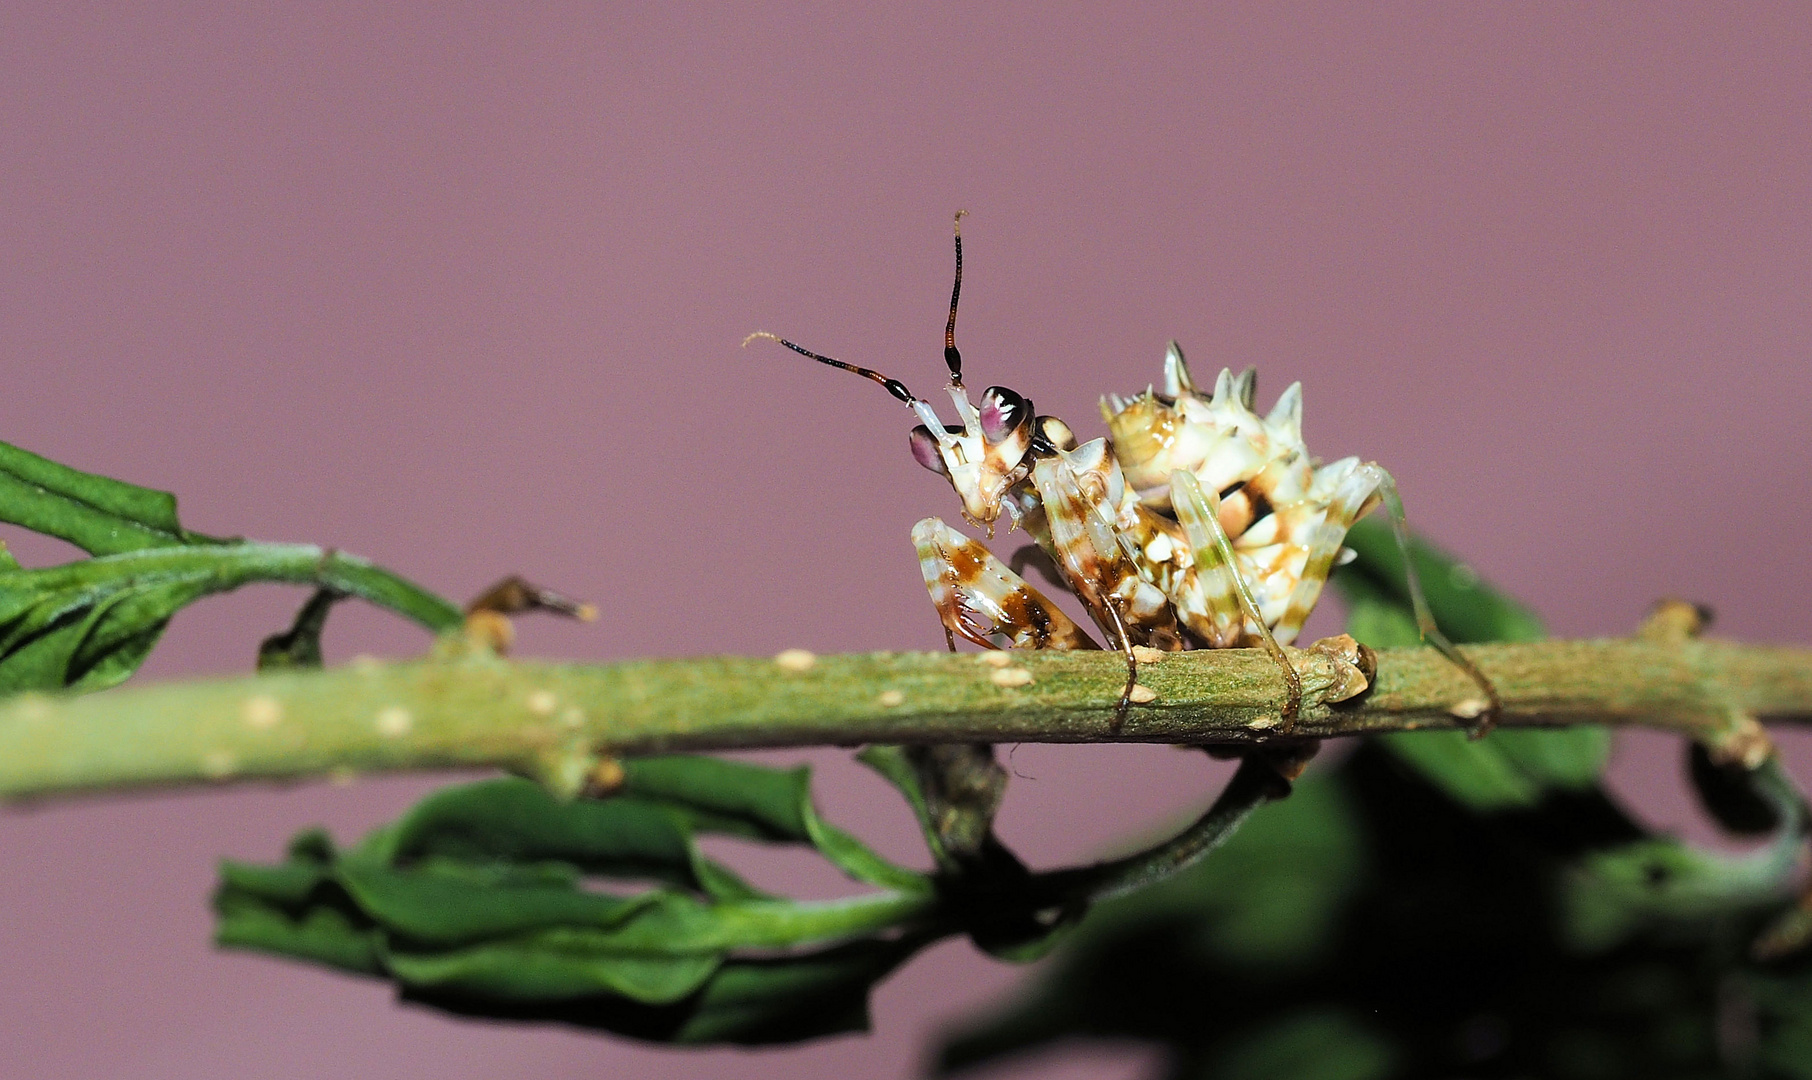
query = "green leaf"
x=1661 y=883
x=514 y=820
x=100 y=515
x=1278 y=887
x=892 y=763
x=1510 y=768
x=954 y=790
x=1375 y=619
x=325 y=934
x=287 y=884
x=760 y=803
x=553 y=965
x=87 y=626
x=727 y=796
x=751 y=1002
x=793 y=999
x=1657 y=883
x=437 y=905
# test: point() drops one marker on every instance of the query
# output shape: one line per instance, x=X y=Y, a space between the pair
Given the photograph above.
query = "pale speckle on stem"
x=1011 y=677
x=795 y=660
x=393 y=722
x=262 y=712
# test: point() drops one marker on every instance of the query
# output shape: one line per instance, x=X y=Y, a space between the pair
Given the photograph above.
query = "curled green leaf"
x=498 y=897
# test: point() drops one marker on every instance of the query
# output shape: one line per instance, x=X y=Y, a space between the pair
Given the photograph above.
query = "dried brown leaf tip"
x=490 y=630
x=487 y=616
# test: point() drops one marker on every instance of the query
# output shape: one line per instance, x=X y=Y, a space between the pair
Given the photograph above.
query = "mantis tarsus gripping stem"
x=1124 y=641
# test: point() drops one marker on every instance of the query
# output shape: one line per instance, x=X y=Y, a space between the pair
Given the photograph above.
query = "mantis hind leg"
x=1486 y=719
x=1199 y=515
x=1352 y=496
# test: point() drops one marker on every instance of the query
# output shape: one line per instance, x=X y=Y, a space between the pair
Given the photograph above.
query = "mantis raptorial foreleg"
x=982 y=601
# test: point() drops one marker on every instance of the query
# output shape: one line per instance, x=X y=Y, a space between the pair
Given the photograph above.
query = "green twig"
x=553 y=721
x=1253 y=785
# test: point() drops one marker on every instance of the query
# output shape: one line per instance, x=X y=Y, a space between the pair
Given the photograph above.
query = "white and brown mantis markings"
x=1200 y=524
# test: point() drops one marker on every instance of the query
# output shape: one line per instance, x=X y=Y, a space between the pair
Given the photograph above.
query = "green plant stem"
x=466 y=709
x=1254 y=784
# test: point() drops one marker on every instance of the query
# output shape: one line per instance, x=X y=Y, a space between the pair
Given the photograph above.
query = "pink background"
x=461 y=290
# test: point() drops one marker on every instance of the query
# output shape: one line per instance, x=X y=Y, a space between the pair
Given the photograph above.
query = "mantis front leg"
x=982 y=601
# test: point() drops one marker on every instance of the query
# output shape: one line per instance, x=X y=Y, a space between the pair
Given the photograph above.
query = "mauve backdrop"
x=460 y=289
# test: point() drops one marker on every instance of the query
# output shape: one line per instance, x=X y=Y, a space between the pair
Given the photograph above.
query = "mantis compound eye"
x=925 y=451
x=1002 y=412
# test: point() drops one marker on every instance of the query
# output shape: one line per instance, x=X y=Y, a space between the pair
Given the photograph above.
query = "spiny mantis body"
x=1197 y=524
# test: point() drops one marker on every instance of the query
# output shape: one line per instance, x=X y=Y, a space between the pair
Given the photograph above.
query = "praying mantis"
x=1196 y=524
